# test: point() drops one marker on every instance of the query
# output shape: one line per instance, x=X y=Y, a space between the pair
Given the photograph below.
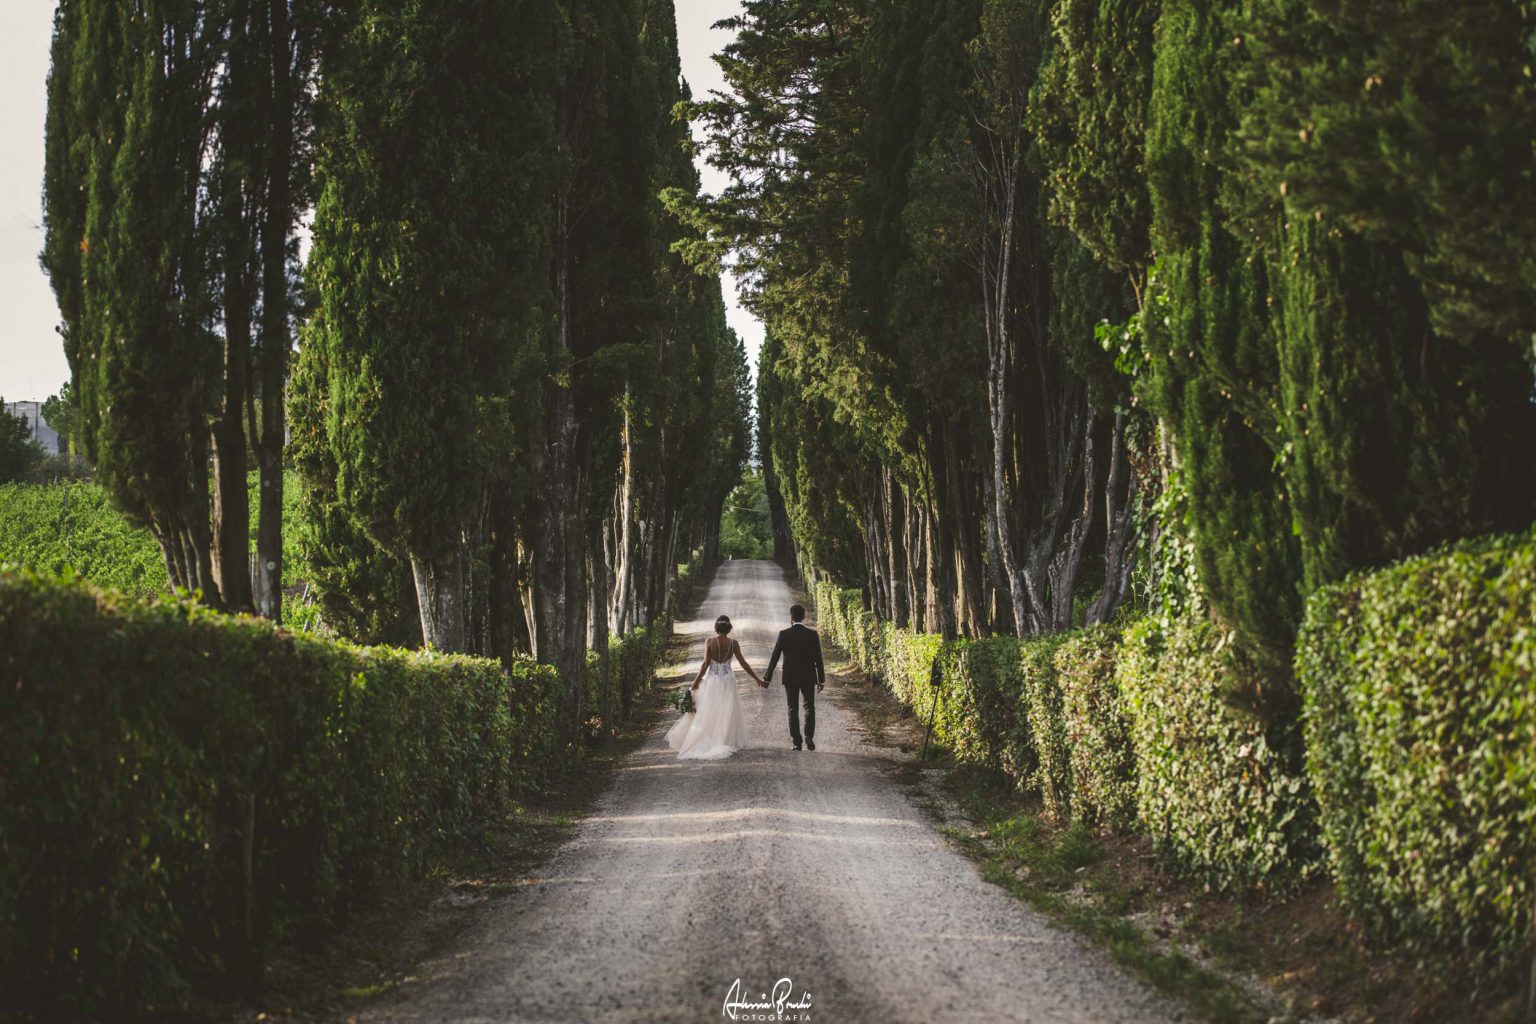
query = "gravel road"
x=811 y=866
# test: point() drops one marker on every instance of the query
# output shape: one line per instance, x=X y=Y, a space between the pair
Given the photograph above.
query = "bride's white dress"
x=715 y=728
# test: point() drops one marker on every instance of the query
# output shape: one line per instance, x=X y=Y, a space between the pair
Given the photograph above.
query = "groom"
x=801 y=649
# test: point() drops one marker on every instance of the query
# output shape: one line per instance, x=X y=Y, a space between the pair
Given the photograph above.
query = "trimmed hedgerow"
x=1043 y=714
x=998 y=734
x=1212 y=789
x=1098 y=734
x=616 y=675
x=181 y=789
x=1420 y=716
x=903 y=661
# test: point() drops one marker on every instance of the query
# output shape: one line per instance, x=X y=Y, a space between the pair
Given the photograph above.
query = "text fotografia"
x=781 y=1004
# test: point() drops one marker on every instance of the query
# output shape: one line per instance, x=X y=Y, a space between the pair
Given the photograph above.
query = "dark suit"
x=800 y=647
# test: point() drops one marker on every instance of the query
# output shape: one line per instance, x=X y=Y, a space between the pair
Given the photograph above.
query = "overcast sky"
x=32 y=363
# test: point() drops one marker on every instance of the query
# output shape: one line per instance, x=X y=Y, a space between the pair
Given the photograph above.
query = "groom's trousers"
x=793 y=692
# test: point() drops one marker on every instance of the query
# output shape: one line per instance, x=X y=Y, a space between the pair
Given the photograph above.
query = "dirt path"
x=772 y=864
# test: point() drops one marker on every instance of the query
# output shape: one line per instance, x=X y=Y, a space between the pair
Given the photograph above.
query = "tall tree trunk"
x=623 y=532
x=998 y=179
x=231 y=554
x=1068 y=559
x=441 y=594
x=893 y=529
x=276 y=339
x=508 y=629
x=1120 y=528
x=231 y=549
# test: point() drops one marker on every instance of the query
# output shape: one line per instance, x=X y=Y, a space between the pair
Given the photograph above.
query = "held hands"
x=820 y=687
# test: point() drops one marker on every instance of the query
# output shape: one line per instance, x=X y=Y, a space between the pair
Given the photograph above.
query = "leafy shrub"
x=1047 y=723
x=614 y=677
x=998 y=732
x=1420 y=719
x=903 y=660
x=180 y=789
x=1097 y=732
x=1213 y=789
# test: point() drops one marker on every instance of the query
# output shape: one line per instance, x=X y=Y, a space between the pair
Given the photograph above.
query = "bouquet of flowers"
x=682 y=700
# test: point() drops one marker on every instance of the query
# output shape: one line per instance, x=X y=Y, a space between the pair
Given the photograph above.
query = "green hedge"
x=1212 y=788
x=902 y=660
x=999 y=733
x=1418 y=739
x=180 y=789
x=1420 y=718
x=616 y=676
x=1111 y=729
x=1097 y=732
x=1041 y=692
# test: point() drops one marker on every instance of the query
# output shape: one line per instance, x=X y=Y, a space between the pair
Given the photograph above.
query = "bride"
x=714 y=729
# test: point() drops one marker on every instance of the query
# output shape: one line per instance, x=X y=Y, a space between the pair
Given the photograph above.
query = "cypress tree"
x=1088 y=113
x=128 y=251
x=1395 y=436
x=1410 y=124
x=429 y=266
x=156 y=208
x=1212 y=365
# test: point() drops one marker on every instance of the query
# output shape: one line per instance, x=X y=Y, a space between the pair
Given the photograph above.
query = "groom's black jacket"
x=801 y=649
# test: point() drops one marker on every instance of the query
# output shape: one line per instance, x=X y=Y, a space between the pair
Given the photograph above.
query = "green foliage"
x=616 y=676
x=145 y=745
x=1097 y=728
x=1421 y=746
x=1088 y=112
x=131 y=260
x=63 y=414
x=1047 y=723
x=20 y=456
x=1221 y=793
x=1213 y=366
x=1410 y=124
x=73 y=528
x=745 y=527
x=1394 y=439
x=989 y=668
x=429 y=281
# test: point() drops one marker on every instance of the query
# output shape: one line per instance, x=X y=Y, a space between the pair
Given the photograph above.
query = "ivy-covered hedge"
x=1041 y=693
x=1418 y=739
x=1111 y=729
x=1420 y=718
x=1096 y=730
x=999 y=732
x=616 y=676
x=180 y=789
x=1212 y=788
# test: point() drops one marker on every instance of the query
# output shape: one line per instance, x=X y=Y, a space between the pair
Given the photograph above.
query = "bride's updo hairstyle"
x=723 y=625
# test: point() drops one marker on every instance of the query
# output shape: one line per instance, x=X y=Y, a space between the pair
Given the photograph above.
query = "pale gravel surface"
x=771 y=864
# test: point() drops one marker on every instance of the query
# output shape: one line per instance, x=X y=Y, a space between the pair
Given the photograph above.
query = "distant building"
x=42 y=433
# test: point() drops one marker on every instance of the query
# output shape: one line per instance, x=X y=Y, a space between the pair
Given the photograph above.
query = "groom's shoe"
x=797 y=747
x=810 y=744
